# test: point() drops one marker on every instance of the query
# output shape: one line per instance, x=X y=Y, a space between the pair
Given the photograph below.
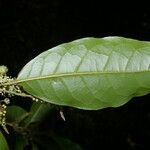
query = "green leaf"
x=46 y=142
x=66 y=144
x=38 y=111
x=20 y=142
x=3 y=143
x=34 y=147
x=15 y=114
x=90 y=73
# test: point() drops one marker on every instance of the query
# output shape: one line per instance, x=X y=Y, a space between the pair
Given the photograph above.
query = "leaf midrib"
x=77 y=74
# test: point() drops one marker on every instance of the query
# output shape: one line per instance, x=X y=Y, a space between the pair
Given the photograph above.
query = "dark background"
x=28 y=28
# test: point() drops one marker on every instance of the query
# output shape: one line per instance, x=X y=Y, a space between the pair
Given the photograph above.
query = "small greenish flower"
x=3 y=70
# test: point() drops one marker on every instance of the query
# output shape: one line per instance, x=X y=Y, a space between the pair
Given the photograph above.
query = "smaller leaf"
x=20 y=142
x=34 y=147
x=15 y=113
x=3 y=143
x=66 y=144
x=46 y=142
x=38 y=112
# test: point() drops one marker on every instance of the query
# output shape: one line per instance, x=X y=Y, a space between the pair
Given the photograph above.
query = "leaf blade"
x=15 y=113
x=88 y=73
x=37 y=112
x=3 y=143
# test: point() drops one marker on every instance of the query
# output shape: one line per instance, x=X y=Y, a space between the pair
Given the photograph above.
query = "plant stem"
x=15 y=93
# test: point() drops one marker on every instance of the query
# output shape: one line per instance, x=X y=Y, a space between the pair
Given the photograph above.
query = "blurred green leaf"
x=15 y=113
x=38 y=112
x=34 y=147
x=66 y=144
x=21 y=142
x=3 y=142
x=46 y=142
